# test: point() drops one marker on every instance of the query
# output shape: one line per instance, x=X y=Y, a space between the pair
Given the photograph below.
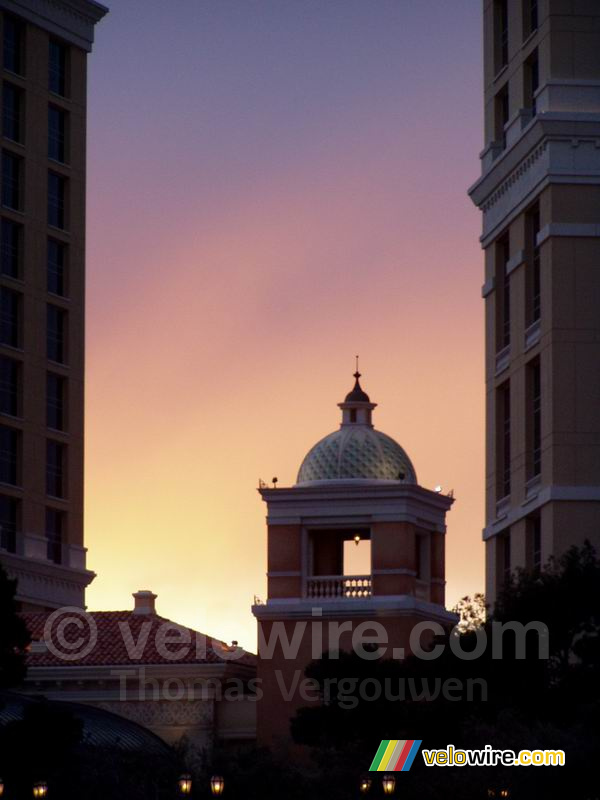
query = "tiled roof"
x=356 y=451
x=102 y=638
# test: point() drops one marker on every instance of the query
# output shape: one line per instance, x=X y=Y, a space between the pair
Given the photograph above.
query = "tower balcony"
x=336 y=587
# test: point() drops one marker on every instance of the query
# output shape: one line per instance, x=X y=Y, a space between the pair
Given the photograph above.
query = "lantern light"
x=40 y=789
x=365 y=785
x=217 y=785
x=1 y=787
x=185 y=784
x=389 y=784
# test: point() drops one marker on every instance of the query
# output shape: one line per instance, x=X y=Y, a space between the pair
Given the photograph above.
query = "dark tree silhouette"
x=529 y=702
x=14 y=636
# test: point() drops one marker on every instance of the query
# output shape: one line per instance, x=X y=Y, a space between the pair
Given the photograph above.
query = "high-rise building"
x=540 y=197
x=44 y=48
x=355 y=545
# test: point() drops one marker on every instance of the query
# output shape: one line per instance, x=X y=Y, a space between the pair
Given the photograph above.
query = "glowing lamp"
x=185 y=784
x=365 y=785
x=389 y=784
x=40 y=789
x=217 y=785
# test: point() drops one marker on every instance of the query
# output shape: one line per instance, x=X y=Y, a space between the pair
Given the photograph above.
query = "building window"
x=11 y=251
x=530 y=17
x=56 y=267
x=57 y=68
x=13 y=39
x=11 y=180
x=534 y=393
x=531 y=73
x=54 y=534
x=9 y=455
x=534 y=284
x=57 y=126
x=57 y=189
x=12 y=112
x=55 y=468
x=10 y=386
x=503 y=439
x=502 y=294
x=534 y=543
x=422 y=558
x=9 y=516
x=56 y=333
x=500 y=34
x=55 y=401
x=10 y=317
x=506 y=556
x=501 y=112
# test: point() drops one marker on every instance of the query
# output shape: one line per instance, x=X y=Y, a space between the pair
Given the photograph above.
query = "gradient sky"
x=274 y=186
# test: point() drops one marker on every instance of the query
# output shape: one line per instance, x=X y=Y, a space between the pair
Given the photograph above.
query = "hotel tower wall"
x=540 y=197
x=42 y=290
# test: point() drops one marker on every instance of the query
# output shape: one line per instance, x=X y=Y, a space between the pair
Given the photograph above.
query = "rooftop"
x=136 y=637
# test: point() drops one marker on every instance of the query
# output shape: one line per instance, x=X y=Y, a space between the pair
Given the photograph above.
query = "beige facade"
x=540 y=197
x=42 y=282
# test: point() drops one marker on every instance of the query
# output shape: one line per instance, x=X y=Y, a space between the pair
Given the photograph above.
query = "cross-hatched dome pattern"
x=356 y=452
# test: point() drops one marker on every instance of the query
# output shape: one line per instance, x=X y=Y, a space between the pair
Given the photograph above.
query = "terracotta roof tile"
x=122 y=637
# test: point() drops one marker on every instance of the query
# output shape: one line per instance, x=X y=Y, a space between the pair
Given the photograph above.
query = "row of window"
x=14 y=59
x=12 y=190
x=529 y=24
x=12 y=257
x=11 y=394
x=531 y=83
x=13 y=127
x=11 y=325
x=533 y=549
x=533 y=429
x=533 y=299
x=14 y=49
x=10 y=525
x=11 y=457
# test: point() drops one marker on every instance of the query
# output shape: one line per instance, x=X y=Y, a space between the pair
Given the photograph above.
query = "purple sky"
x=274 y=186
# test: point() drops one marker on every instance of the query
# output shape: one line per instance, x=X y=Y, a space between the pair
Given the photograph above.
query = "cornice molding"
x=72 y=20
x=537 y=499
x=45 y=583
x=372 y=608
x=554 y=148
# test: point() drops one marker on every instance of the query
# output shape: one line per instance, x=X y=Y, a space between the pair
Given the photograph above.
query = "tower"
x=45 y=44
x=540 y=197
x=356 y=498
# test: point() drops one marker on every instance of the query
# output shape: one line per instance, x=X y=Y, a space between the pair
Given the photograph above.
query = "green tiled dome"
x=356 y=452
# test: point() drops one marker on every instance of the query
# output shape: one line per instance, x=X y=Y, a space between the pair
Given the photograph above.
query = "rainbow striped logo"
x=395 y=755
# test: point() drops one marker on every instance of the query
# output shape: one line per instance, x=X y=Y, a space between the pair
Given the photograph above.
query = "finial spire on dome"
x=357 y=395
x=357 y=406
x=357 y=451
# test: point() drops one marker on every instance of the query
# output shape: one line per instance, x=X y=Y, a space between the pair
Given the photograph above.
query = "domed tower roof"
x=357 y=395
x=356 y=452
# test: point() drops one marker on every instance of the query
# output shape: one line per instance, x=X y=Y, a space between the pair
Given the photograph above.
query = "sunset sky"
x=274 y=186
